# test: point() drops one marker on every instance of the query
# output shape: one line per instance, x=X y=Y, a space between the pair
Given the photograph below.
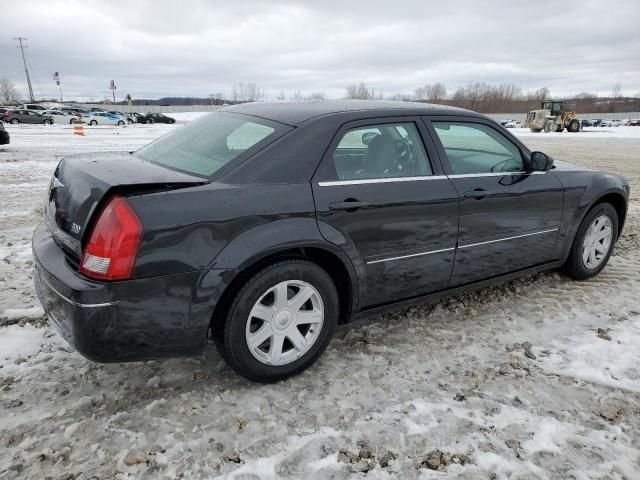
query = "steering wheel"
x=405 y=159
x=501 y=165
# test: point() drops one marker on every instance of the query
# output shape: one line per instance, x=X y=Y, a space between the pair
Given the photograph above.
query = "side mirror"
x=367 y=137
x=541 y=162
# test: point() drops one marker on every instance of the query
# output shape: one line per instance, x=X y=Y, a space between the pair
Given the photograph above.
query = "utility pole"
x=22 y=47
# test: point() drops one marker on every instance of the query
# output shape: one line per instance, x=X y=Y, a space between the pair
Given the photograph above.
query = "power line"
x=26 y=71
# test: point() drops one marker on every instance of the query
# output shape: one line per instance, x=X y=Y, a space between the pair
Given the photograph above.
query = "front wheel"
x=121 y=122
x=594 y=242
x=280 y=322
x=574 y=126
x=93 y=122
x=47 y=122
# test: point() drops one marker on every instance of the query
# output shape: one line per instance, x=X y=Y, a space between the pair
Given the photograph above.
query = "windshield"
x=205 y=145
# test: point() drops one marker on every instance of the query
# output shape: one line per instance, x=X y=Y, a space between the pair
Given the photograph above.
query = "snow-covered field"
x=535 y=379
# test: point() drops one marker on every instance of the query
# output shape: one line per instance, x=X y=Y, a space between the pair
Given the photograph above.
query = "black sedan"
x=4 y=135
x=156 y=118
x=266 y=225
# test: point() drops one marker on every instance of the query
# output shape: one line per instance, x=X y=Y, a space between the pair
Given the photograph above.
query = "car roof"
x=295 y=113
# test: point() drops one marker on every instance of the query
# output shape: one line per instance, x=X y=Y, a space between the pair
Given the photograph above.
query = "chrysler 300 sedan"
x=263 y=226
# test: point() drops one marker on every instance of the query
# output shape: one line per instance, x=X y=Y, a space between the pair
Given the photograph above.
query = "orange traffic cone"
x=78 y=129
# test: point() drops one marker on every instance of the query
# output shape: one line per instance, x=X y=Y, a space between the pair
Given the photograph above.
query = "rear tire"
x=93 y=123
x=549 y=126
x=581 y=265
x=121 y=123
x=150 y=120
x=14 y=121
x=47 y=122
x=292 y=342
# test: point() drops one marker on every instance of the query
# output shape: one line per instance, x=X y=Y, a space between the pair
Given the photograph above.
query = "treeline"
x=503 y=98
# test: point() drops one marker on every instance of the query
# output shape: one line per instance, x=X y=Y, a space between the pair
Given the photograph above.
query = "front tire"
x=594 y=242
x=93 y=123
x=120 y=123
x=574 y=126
x=280 y=322
x=47 y=122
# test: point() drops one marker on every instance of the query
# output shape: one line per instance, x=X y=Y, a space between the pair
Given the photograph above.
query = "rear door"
x=509 y=219
x=382 y=197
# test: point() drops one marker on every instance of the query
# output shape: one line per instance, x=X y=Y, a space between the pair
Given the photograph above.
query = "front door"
x=380 y=197
x=509 y=218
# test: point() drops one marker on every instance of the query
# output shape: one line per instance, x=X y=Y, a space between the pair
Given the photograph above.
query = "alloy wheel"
x=285 y=322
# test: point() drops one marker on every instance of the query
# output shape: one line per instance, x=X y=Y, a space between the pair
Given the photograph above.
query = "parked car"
x=587 y=123
x=96 y=109
x=157 y=118
x=27 y=116
x=61 y=117
x=102 y=118
x=73 y=111
x=4 y=135
x=633 y=123
x=4 y=110
x=34 y=106
x=137 y=117
x=126 y=116
x=323 y=213
x=514 y=124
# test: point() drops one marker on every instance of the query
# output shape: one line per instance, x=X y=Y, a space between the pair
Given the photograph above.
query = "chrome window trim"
x=410 y=256
x=493 y=174
x=367 y=181
x=381 y=180
x=76 y=304
x=508 y=238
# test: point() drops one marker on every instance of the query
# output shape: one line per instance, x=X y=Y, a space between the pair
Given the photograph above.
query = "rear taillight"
x=113 y=244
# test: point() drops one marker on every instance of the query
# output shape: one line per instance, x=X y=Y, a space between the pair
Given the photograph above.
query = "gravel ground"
x=538 y=378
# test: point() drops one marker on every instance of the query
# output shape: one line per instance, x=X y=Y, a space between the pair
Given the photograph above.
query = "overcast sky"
x=194 y=48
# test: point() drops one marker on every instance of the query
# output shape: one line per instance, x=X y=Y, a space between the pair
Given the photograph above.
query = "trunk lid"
x=81 y=184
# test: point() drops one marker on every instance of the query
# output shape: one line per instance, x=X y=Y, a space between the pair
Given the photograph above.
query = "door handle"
x=477 y=193
x=349 y=205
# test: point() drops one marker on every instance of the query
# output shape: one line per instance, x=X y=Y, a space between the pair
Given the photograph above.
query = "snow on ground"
x=535 y=379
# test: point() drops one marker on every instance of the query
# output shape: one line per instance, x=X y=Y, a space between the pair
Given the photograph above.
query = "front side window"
x=477 y=148
x=205 y=145
x=381 y=151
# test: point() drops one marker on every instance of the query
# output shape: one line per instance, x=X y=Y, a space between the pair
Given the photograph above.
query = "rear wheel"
x=594 y=242
x=93 y=122
x=150 y=120
x=14 y=121
x=121 y=122
x=280 y=322
x=574 y=126
x=47 y=122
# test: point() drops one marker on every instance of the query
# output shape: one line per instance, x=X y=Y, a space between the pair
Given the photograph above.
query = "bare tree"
x=8 y=91
x=297 y=96
x=315 y=96
x=281 y=95
x=360 y=92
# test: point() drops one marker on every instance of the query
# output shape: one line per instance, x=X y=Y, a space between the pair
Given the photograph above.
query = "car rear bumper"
x=4 y=137
x=131 y=320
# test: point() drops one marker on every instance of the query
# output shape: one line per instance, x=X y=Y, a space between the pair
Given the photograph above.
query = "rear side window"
x=476 y=148
x=205 y=145
x=387 y=150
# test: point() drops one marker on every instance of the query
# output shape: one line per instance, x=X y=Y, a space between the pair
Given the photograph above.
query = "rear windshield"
x=206 y=144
